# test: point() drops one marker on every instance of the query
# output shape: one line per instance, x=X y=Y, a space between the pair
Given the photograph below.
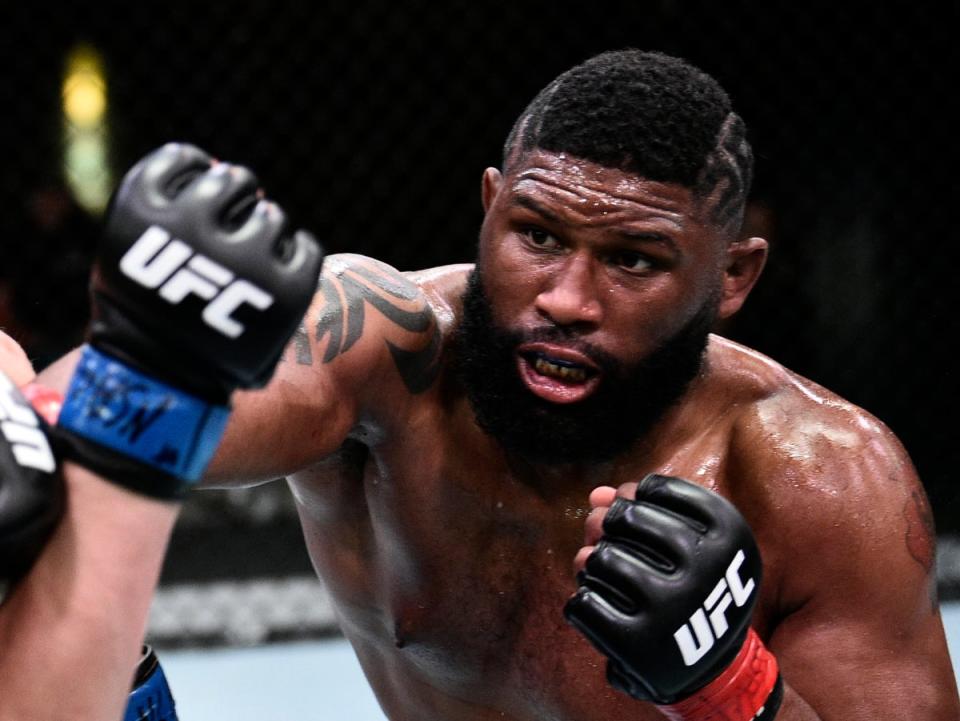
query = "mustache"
x=567 y=338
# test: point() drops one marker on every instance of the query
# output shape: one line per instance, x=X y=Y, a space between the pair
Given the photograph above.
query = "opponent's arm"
x=71 y=629
x=64 y=650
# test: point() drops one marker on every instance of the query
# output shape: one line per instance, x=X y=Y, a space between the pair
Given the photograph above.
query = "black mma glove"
x=198 y=285
x=668 y=595
x=31 y=488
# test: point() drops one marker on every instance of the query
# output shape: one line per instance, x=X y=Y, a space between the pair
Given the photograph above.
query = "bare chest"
x=450 y=570
x=450 y=575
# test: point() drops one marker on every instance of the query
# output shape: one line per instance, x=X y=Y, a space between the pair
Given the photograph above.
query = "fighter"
x=747 y=544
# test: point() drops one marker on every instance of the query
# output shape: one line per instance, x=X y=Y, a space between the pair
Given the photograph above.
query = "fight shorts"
x=150 y=699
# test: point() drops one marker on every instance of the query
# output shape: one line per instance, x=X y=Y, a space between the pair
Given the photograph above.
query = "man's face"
x=589 y=311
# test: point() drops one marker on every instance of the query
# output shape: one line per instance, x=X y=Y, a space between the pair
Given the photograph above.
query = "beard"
x=629 y=400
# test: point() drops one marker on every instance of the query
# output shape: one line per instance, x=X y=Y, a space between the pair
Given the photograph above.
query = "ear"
x=744 y=262
x=490 y=186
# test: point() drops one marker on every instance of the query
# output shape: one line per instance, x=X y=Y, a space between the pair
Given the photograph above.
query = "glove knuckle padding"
x=664 y=538
x=629 y=573
x=266 y=224
x=686 y=561
x=154 y=180
x=31 y=496
x=221 y=262
x=198 y=286
x=597 y=619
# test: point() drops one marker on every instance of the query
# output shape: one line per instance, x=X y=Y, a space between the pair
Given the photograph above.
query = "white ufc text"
x=157 y=260
x=709 y=623
x=22 y=431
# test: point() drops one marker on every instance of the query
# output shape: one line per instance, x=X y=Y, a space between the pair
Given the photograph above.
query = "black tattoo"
x=301 y=345
x=342 y=319
x=920 y=530
x=920 y=538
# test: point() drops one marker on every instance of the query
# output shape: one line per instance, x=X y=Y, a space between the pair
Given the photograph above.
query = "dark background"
x=372 y=122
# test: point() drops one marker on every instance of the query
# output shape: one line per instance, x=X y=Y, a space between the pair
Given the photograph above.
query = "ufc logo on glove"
x=22 y=431
x=730 y=589
x=157 y=260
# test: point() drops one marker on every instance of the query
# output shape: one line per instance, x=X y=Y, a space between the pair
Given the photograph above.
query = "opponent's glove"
x=198 y=285
x=31 y=488
x=668 y=595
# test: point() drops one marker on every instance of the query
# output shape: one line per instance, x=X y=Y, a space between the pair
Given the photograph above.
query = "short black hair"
x=646 y=113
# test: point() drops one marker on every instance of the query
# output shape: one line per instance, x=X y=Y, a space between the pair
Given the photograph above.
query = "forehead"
x=586 y=192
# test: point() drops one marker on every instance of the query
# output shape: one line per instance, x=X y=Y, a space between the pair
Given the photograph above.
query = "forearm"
x=71 y=631
x=794 y=708
x=750 y=689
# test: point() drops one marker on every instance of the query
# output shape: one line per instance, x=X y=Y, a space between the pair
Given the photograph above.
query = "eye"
x=631 y=260
x=541 y=238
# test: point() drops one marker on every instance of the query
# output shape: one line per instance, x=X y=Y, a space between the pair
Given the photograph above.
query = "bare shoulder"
x=367 y=313
x=443 y=288
x=369 y=345
x=824 y=472
x=848 y=544
x=791 y=421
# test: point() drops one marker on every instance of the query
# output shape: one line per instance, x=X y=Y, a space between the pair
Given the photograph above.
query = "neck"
x=647 y=454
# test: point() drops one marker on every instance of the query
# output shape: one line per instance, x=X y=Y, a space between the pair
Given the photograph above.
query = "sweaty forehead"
x=564 y=183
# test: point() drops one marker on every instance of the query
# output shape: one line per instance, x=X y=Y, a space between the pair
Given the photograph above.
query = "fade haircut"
x=649 y=114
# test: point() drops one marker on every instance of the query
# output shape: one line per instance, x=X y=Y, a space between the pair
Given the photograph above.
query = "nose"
x=571 y=297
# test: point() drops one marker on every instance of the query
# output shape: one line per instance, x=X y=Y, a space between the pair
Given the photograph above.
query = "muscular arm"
x=370 y=341
x=370 y=336
x=865 y=640
x=850 y=613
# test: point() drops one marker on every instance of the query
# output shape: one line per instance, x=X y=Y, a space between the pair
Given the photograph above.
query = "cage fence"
x=372 y=122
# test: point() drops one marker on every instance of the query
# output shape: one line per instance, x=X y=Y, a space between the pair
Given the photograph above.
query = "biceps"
x=869 y=659
x=368 y=342
x=273 y=432
x=366 y=303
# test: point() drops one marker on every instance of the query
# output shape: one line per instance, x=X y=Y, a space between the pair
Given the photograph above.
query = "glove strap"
x=750 y=689
x=140 y=417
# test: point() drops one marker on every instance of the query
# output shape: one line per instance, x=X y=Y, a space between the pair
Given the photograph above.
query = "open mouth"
x=560 y=369
x=557 y=374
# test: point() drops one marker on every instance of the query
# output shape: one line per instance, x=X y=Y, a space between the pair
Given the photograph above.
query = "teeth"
x=545 y=367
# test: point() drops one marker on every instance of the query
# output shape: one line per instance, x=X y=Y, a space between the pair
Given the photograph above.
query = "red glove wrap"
x=45 y=401
x=740 y=693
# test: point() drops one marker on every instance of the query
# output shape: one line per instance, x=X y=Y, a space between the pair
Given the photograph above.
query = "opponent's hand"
x=31 y=488
x=198 y=285
x=668 y=594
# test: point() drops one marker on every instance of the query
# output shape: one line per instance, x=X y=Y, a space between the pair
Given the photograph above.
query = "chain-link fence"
x=372 y=122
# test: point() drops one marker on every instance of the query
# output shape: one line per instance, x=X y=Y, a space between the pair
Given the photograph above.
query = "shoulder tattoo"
x=920 y=537
x=920 y=530
x=346 y=293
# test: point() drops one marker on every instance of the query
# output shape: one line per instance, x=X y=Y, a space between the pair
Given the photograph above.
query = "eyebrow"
x=661 y=239
x=530 y=204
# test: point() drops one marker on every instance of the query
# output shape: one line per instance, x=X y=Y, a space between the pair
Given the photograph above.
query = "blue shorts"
x=150 y=699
